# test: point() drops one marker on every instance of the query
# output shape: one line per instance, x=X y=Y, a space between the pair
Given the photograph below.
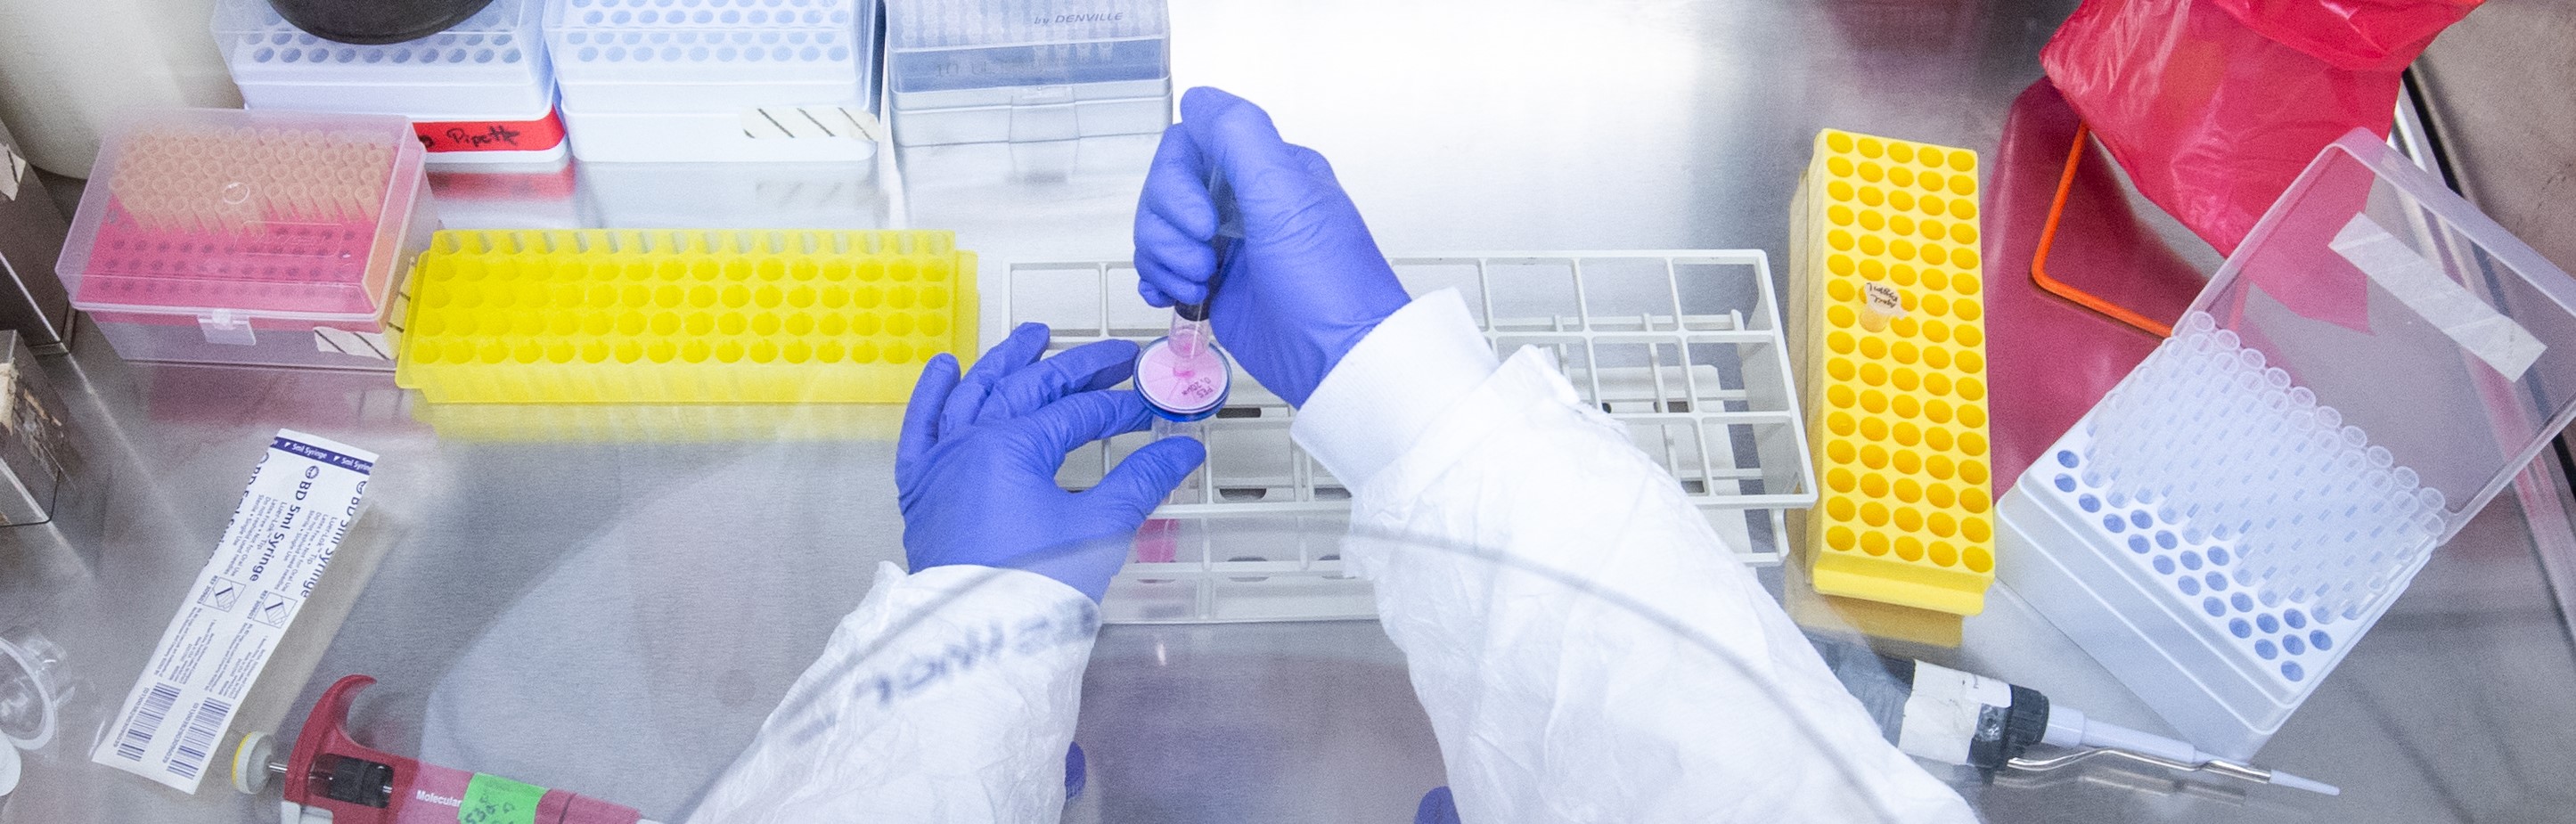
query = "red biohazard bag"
x=2213 y=106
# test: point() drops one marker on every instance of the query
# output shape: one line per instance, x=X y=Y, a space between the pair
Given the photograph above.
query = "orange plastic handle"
x=2048 y=237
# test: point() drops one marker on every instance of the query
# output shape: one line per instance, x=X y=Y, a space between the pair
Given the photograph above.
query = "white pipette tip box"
x=2367 y=370
x=480 y=94
x=718 y=80
x=980 y=71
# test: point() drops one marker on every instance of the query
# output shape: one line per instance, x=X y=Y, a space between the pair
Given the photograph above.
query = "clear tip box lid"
x=262 y=213
x=947 y=45
x=2447 y=339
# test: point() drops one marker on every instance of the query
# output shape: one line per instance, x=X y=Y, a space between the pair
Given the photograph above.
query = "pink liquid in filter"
x=1182 y=374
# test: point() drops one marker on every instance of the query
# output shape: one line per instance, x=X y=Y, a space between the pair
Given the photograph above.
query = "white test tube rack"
x=1684 y=347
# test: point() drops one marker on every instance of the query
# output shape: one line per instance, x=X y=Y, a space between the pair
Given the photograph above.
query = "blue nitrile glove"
x=975 y=470
x=1077 y=772
x=1437 y=807
x=1305 y=282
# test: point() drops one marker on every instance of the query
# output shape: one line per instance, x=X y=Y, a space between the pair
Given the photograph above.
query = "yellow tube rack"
x=683 y=316
x=1893 y=355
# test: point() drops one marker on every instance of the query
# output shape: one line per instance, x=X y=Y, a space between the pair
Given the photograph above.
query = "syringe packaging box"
x=988 y=71
x=303 y=495
x=2360 y=377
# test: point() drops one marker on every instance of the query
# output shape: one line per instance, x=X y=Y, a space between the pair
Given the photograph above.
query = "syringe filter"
x=1183 y=382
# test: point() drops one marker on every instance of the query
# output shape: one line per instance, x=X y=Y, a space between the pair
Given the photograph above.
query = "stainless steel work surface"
x=2489 y=86
x=611 y=604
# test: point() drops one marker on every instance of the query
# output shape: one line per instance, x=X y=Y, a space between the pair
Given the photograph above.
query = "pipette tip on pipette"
x=2308 y=784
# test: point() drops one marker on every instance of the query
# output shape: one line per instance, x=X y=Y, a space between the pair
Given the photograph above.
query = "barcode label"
x=146 y=721
x=198 y=738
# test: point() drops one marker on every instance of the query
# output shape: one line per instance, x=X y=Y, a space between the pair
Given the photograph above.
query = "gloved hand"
x=975 y=468
x=1437 y=807
x=1305 y=282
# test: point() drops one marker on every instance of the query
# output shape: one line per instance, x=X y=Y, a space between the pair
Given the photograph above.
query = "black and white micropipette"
x=1954 y=717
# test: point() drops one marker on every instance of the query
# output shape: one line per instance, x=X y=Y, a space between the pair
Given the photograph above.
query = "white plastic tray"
x=491 y=67
x=713 y=55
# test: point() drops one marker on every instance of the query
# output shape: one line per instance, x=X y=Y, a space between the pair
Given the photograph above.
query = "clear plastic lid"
x=946 y=45
x=2423 y=323
x=256 y=213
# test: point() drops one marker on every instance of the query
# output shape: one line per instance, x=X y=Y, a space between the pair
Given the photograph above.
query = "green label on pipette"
x=491 y=799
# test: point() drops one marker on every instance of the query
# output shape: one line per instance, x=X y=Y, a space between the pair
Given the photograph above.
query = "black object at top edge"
x=375 y=22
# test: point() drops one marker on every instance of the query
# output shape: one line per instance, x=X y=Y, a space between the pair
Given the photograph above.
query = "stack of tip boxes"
x=2369 y=367
x=251 y=237
x=1894 y=375
x=673 y=316
x=717 y=80
x=984 y=71
x=478 y=94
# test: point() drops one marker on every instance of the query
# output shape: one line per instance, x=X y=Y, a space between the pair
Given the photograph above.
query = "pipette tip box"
x=2366 y=371
x=480 y=94
x=979 y=71
x=1893 y=343
x=249 y=237
x=719 y=80
x=685 y=316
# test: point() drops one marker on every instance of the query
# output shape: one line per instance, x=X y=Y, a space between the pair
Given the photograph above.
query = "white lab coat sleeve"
x=948 y=695
x=1587 y=647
